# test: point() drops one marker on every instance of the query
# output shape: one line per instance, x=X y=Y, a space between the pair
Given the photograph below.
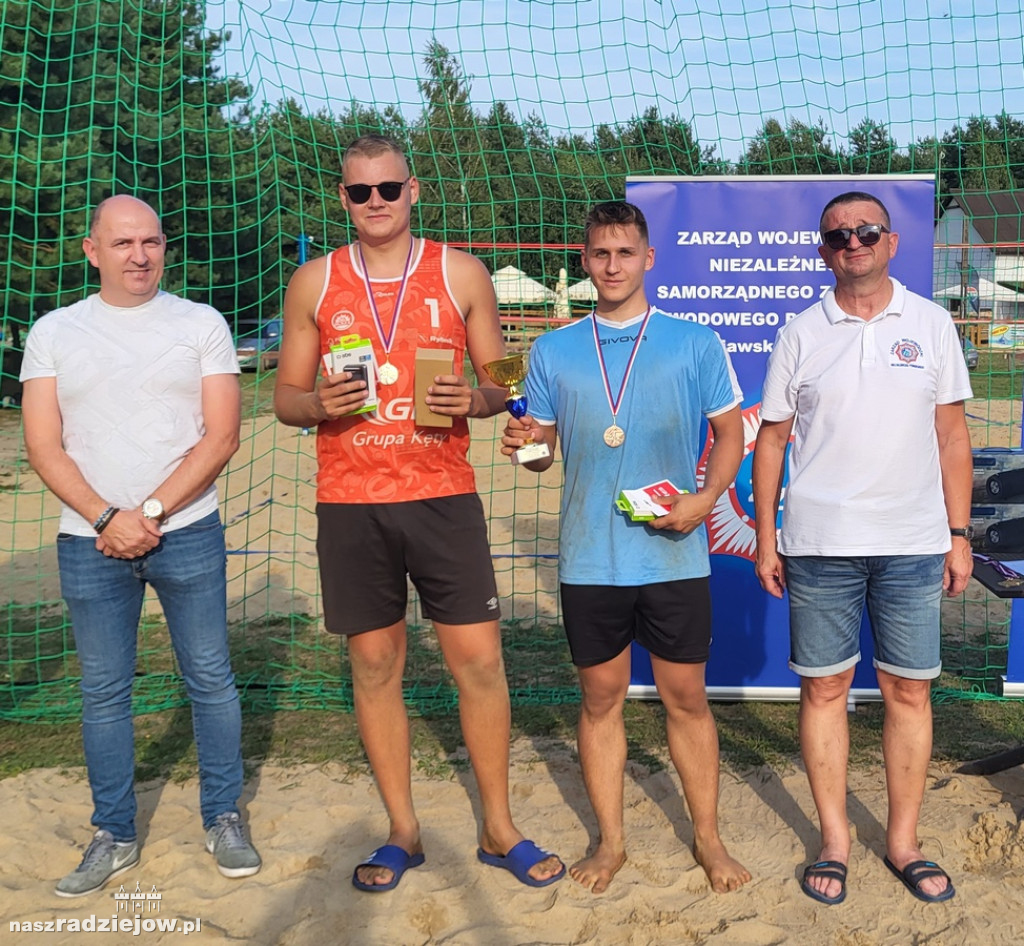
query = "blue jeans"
x=827 y=595
x=104 y=598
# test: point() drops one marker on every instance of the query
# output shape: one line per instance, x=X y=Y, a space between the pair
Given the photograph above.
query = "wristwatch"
x=965 y=533
x=153 y=509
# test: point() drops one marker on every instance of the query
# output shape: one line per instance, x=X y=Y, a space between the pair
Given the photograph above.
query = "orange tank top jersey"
x=383 y=457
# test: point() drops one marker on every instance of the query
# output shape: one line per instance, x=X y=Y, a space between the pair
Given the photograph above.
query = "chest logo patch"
x=906 y=352
x=342 y=320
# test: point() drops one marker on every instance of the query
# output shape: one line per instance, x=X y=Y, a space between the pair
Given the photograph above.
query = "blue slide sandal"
x=394 y=859
x=518 y=862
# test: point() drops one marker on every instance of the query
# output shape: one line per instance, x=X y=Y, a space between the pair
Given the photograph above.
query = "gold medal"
x=388 y=373
x=614 y=436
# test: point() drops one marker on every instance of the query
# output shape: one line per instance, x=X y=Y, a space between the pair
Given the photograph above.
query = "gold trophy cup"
x=510 y=372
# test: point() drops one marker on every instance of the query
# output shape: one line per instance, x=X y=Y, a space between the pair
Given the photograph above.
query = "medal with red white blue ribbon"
x=387 y=373
x=615 y=436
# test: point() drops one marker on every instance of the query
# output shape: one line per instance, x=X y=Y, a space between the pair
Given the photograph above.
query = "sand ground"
x=312 y=824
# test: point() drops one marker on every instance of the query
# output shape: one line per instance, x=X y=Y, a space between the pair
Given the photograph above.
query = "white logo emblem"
x=342 y=320
x=139 y=901
x=391 y=412
x=731 y=523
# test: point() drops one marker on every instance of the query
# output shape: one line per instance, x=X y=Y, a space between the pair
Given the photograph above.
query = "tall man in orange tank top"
x=397 y=499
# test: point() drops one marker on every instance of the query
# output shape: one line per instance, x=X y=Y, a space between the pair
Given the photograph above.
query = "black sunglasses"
x=388 y=190
x=869 y=234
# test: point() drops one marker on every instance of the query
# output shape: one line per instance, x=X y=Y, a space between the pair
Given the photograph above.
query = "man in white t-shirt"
x=131 y=409
x=871 y=382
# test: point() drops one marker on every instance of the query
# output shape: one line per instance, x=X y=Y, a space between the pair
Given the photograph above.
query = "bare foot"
x=724 y=872
x=383 y=875
x=829 y=886
x=596 y=872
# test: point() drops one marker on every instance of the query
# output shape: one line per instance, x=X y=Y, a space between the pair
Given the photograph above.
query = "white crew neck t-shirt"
x=129 y=385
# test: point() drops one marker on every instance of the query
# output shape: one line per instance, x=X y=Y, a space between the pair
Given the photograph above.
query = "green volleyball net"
x=230 y=118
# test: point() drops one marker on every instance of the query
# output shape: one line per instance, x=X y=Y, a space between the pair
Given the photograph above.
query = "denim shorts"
x=827 y=595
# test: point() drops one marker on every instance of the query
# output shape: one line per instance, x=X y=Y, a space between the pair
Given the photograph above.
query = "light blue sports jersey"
x=680 y=375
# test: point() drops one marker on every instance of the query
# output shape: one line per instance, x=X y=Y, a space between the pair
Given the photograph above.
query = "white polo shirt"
x=864 y=476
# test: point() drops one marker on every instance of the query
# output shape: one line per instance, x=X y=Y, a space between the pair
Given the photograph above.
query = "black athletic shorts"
x=366 y=552
x=672 y=619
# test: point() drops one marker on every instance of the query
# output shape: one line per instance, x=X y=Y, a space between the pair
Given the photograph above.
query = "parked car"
x=970 y=354
x=260 y=351
x=1006 y=486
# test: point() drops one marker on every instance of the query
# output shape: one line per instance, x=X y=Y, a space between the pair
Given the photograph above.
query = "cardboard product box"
x=645 y=504
x=998 y=475
x=355 y=354
x=998 y=527
x=431 y=362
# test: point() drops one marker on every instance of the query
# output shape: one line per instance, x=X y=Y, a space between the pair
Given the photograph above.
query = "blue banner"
x=740 y=255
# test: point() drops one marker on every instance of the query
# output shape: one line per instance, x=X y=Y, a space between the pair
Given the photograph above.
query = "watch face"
x=152 y=509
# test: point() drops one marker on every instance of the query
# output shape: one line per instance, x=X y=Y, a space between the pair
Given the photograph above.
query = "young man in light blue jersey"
x=627 y=389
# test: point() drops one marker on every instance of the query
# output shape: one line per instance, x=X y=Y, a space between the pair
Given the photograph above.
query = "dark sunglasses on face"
x=388 y=190
x=869 y=235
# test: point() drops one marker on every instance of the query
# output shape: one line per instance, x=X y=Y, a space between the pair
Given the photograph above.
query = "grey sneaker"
x=104 y=858
x=226 y=841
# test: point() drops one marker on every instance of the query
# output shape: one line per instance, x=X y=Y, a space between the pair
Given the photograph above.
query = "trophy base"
x=530 y=452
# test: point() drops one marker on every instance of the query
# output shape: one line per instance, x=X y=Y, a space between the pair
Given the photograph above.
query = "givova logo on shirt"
x=907 y=354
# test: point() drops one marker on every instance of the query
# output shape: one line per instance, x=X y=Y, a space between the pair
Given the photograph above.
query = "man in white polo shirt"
x=871 y=383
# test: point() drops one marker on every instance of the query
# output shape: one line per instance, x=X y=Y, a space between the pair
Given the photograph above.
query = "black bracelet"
x=104 y=520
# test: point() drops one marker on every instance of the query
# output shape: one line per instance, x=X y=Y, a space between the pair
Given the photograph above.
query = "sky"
x=725 y=66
